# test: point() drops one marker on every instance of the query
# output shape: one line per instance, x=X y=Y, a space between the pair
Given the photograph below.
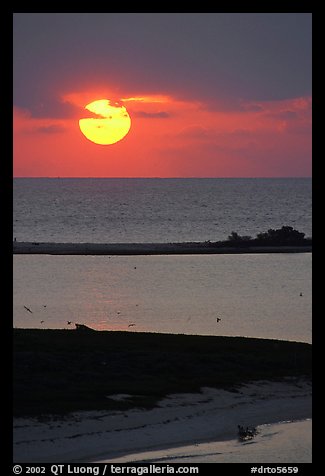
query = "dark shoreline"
x=59 y=371
x=150 y=248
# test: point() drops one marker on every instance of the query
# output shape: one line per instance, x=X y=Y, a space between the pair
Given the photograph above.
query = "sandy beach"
x=284 y=442
x=178 y=420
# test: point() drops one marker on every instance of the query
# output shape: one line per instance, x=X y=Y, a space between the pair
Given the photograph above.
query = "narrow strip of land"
x=149 y=248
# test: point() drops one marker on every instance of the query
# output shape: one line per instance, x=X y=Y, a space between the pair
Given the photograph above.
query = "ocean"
x=156 y=210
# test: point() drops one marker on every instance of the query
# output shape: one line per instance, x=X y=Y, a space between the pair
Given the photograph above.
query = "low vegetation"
x=59 y=371
x=285 y=236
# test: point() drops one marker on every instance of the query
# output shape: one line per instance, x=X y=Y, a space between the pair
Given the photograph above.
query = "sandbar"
x=148 y=248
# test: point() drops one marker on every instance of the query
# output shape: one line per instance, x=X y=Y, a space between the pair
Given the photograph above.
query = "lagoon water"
x=253 y=295
x=284 y=442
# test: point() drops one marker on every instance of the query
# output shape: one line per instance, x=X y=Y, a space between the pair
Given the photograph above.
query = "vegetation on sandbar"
x=285 y=236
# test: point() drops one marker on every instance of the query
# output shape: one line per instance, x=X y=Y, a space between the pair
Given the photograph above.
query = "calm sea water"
x=156 y=210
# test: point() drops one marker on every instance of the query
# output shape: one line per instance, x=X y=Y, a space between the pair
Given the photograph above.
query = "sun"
x=112 y=124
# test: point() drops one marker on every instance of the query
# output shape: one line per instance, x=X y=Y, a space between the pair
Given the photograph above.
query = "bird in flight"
x=218 y=319
x=131 y=325
x=42 y=322
x=27 y=309
x=69 y=322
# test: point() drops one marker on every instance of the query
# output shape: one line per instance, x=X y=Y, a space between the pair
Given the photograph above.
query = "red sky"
x=170 y=138
x=199 y=108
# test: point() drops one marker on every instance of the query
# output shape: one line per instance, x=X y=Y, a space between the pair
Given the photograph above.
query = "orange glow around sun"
x=171 y=137
x=112 y=124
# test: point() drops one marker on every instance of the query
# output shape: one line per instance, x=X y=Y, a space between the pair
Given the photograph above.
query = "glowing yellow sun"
x=111 y=126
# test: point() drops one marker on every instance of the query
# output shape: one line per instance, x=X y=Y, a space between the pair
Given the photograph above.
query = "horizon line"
x=164 y=178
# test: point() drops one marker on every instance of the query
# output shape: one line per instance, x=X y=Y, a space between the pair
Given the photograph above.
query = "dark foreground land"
x=58 y=371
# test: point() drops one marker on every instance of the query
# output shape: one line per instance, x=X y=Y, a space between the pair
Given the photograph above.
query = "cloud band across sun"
x=110 y=124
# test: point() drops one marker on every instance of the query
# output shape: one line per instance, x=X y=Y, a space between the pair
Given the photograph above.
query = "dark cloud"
x=40 y=104
x=153 y=115
x=52 y=129
x=284 y=115
x=251 y=56
x=200 y=132
x=196 y=132
x=248 y=107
